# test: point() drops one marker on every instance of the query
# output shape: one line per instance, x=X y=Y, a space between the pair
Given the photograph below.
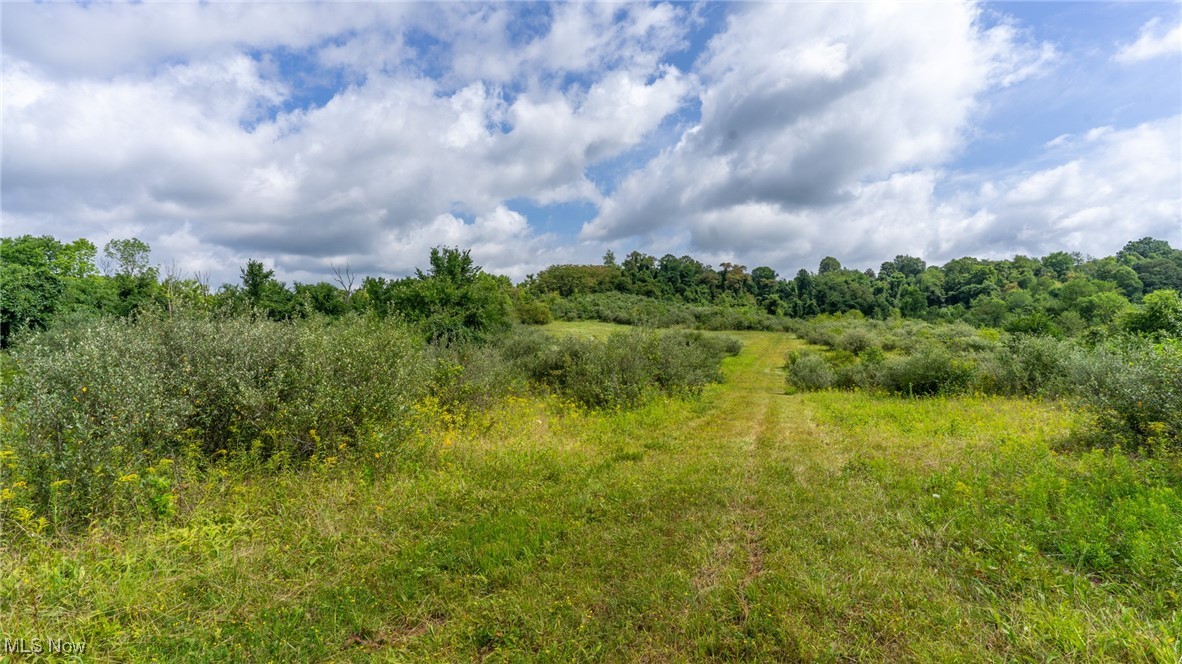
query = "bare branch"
x=345 y=277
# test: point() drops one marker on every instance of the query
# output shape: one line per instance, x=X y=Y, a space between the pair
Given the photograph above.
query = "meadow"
x=700 y=517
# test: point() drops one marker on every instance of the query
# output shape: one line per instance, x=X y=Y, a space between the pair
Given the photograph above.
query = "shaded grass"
x=743 y=525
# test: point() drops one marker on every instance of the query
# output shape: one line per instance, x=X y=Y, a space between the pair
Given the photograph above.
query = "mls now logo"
x=37 y=646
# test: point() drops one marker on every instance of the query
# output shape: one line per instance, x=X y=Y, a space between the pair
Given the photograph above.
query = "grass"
x=744 y=525
x=585 y=328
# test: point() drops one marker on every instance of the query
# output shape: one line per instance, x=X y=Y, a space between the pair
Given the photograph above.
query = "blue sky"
x=310 y=134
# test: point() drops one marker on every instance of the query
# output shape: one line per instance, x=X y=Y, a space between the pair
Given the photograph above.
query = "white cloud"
x=1155 y=40
x=1118 y=185
x=197 y=148
x=109 y=39
x=802 y=103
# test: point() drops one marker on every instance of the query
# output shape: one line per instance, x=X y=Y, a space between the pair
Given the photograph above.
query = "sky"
x=313 y=135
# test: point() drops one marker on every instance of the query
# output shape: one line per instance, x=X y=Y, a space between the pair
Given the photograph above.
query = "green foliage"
x=620 y=370
x=455 y=300
x=1035 y=323
x=931 y=369
x=857 y=341
x=40 y=277
x=1135 y=388
x=1131 y=384
x=809 y=371
x=626 y=309
x=129 y=257
x=95 y=403
x=568 y=280
x=529 y=309
x=1101 y=514
x=1160 y=313
x=262 y=292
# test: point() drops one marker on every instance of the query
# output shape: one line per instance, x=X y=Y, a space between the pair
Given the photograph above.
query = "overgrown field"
x=567 y=497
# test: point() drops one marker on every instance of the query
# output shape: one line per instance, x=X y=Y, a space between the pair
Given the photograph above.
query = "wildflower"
x=131 y=477
x=59 y=483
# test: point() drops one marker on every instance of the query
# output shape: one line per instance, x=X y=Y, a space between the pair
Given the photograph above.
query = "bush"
x=531 y=311
x=94 y=406
x=618 y=371
x=857 y=340
x=1132 y=384
x=1135 y=387
x=809 y=371
x=931 y=370
x=473 y=376
x=1027 y=365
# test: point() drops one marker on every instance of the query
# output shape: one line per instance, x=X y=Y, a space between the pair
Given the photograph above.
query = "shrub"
x=629 y=309
x=617 y=372
x=1027 y=365
x=931 y=370
x=97 y=404
x=857 y=340
x=531 y=311
x=1135 y=387
x=87 y=406
x=809 y=371
x=473 y=376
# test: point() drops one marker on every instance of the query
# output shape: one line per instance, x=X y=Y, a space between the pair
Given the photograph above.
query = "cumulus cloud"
x=205 y=146
x=109 y=39
x=1104 y=188
x=1110 y=187
x=802 y=104
x=829 y=130
x=1155 y=40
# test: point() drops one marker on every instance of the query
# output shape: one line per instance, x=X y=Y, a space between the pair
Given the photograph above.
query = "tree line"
x=1061 y=293
x=43 y=279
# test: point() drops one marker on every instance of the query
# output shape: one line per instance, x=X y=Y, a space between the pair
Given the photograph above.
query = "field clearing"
x=592 y=329
x=748 y=524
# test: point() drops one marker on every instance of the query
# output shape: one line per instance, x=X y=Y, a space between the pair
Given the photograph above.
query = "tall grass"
x=1132 y=384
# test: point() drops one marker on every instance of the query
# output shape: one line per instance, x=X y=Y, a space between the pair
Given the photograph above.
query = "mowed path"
x=729 y=530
